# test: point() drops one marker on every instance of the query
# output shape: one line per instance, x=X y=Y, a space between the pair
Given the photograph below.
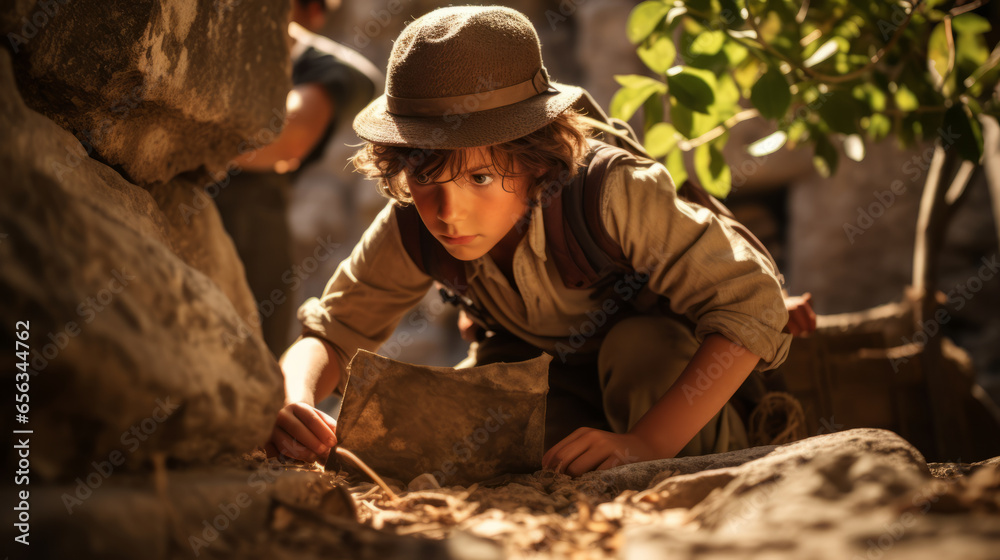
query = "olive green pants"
x=639 y=359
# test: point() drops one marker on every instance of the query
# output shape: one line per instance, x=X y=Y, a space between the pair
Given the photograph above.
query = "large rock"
x=195 y=230
x=854 y=494
x=135 y=354
x=155 y=87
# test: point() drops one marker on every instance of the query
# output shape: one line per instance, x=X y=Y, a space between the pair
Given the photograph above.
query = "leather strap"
x=472 y=102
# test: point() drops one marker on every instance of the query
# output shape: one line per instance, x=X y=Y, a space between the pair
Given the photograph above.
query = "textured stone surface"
x=155 y=87
x=195 y=231
x=853 y=494
x=135 y=353
x=461 y=425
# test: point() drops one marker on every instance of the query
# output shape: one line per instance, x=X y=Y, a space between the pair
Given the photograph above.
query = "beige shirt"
x=708 y=272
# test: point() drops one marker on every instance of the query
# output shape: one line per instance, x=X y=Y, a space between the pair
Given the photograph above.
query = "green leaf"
x=746 y=74
x=937 y=57
x=735 y=53
x=652 y=111
x=878 y=126
x=873 y=96
x=971 y=53
x=644 y=19
x=768 y=144
x=636 y=81
x=692 y=87
x=689 y=123
x=628 y=100
x=658 y=53
x=771 y=95
x=971 y=24
x=906 y=100
x=839 y=111
x=712 y=170
x=708 y=43
x=661 y=139
x=825 y=156
x=675 y=165
x=727 y=93
x=796 y=132
x=968 y=133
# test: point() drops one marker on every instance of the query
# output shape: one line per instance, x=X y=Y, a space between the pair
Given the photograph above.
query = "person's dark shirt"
x=350 y=87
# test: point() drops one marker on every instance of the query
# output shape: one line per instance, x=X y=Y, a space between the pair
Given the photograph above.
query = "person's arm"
x=359 y=308
x=312 y=370
x=671 y=423
x=309 y=112
x=708 y=273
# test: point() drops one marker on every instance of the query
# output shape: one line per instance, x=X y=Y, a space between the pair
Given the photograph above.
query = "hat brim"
x=458 y=130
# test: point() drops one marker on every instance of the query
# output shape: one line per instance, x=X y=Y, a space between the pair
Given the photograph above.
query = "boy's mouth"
x=457 y=240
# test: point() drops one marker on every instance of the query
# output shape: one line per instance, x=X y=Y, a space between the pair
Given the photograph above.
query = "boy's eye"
x=422 y=179
x=481 y=179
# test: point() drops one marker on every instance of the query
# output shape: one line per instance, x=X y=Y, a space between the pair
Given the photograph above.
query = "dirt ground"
x=855 y=494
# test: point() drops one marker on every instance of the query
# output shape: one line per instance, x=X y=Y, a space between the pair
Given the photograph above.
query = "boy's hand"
x=801 y=317
x=302 y=432
x=587 y=449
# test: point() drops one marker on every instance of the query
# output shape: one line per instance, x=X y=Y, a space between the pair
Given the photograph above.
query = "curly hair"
x=552 y=154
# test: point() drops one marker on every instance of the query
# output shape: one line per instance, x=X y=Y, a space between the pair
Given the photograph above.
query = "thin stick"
x=371 y=474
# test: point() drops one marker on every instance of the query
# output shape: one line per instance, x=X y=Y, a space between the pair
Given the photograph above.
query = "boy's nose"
x=451 y=203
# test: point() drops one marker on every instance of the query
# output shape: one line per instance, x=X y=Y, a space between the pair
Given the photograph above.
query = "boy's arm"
x=312 y=369
x=670 y=424
x=360 y=308
x=708 y=273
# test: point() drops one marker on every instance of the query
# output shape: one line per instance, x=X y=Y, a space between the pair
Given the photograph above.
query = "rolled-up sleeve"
x=707 y=271
x=368 y=294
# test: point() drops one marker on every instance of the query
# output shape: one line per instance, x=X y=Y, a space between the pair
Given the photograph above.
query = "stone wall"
x=143 y=335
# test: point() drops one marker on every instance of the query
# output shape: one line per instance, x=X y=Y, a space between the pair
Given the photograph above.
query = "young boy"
x=472 y=137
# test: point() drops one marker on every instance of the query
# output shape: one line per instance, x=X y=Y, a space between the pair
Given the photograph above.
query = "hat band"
x=472 y=102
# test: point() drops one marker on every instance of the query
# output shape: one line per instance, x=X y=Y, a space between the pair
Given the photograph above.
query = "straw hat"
x=461 y=77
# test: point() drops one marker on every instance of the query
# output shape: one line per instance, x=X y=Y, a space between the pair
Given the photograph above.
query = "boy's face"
x=470 y=213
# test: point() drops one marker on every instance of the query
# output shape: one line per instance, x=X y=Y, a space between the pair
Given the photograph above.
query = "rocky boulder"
x=134 y=354
x=194 y=229
x=160 y=87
